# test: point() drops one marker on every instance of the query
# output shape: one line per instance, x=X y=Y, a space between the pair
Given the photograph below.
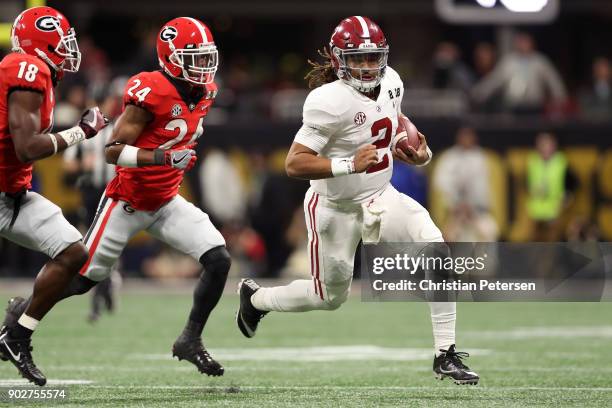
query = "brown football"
x=407 y=134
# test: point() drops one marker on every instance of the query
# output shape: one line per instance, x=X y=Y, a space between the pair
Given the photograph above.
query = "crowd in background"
x=519 y=80
x=524 y=81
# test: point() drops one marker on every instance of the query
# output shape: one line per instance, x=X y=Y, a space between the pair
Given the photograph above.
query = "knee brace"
x=217 y=261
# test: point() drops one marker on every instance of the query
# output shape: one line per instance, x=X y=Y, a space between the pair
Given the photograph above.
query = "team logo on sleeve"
x=128 y=209
x=47 y=23
x=176 y=110
x=211 y=94
x=360 y=118
x=168 y=34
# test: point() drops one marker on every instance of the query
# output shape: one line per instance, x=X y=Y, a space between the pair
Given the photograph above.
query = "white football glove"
x=180 y=159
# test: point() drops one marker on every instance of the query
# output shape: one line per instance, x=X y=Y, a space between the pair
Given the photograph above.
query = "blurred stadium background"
x=495 y=101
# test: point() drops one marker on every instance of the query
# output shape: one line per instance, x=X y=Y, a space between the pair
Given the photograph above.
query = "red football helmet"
x=186 y=50
x=45 y=33
x=359 y=51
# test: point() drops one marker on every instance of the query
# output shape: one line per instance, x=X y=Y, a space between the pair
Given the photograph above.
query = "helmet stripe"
x=14 y=41
x=364 y=28
x=17 y=19
x=201 y=28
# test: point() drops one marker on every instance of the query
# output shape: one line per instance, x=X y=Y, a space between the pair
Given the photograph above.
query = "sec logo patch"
x=360 y=118
x=176 y=110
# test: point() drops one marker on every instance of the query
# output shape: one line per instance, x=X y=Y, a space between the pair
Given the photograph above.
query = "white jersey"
x=338 y=120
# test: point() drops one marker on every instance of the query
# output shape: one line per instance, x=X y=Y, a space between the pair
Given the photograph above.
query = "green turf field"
x=364 y=354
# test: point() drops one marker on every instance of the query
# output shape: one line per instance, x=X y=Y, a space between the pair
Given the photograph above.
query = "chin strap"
x=44 y=57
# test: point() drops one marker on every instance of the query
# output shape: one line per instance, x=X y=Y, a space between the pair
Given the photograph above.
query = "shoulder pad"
x=146 y=90
x=23 y=71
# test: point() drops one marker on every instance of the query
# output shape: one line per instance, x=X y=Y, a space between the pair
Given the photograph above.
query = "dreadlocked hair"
x=321 y=73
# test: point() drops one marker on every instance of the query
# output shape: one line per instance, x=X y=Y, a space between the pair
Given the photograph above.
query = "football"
x=406 y=135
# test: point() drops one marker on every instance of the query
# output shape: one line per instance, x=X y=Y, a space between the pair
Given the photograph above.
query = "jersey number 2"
x=386 y=125
x=181 y=125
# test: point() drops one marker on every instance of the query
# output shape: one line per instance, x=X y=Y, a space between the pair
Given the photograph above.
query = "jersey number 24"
x=180 y=124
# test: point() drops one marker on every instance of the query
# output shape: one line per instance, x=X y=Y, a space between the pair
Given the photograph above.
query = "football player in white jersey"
x=344 y=147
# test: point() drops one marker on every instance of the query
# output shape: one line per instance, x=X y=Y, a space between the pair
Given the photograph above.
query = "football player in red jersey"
x=152 y=145
x=44 y=47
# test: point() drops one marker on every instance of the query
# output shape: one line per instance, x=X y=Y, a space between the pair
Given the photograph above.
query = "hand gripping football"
x=406 y=135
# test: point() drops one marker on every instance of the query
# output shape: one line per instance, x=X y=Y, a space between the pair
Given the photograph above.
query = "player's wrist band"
x=72 y=136
x=53 y=141
x=430 y=154
x=128 y=156
x=159 y=157
x=342 y=166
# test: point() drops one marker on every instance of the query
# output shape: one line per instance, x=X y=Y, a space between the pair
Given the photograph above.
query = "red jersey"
x=177 y=122
x=21 y=72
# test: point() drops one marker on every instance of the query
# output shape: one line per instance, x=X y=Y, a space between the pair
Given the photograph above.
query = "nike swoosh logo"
x=251 y=285
x=180 y=159
x=16 y=357
x=95 y=119
x=443 y=371
x=246 y=326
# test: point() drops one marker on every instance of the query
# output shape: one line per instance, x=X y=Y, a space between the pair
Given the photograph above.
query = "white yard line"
x=11 y=383
x=314 y=354
x=519 y=333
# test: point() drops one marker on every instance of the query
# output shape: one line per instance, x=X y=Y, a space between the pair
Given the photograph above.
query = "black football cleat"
x=449 y=364
x=248 y=316
x=192 y=350
x=15 y=308
x=18 y=351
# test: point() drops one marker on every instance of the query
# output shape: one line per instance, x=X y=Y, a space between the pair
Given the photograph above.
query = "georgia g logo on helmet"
x=168 y=34
x=47 y=23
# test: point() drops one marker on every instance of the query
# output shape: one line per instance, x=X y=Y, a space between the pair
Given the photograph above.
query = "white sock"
x=298 y=296
x=443 y=318
x=28 y=322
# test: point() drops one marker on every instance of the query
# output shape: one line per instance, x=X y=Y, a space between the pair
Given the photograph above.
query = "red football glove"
x=92 y=122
